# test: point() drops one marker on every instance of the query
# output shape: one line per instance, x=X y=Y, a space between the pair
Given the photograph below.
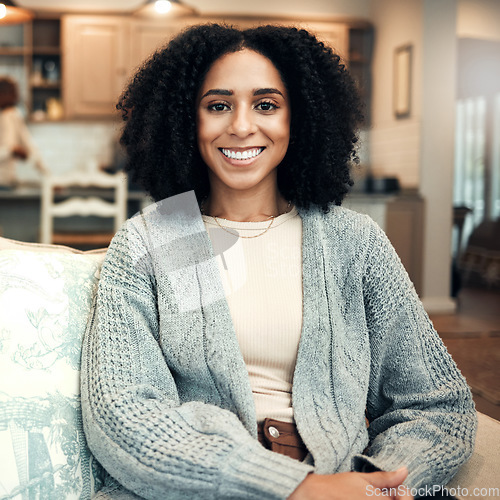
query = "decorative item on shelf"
x=55 y=110
x=164 y=8
x=10 y=13
x=37 y=72
x=51 y=71
x=372 y=184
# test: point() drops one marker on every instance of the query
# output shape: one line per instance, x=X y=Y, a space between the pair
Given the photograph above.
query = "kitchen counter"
x=375 y=205
x=32 y=191
x=20 y=211
x=399 y=215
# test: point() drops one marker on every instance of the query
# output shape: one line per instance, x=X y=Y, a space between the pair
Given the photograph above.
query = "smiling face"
x=243 y=122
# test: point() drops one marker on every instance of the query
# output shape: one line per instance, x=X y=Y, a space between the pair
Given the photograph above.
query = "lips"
x=245 y=154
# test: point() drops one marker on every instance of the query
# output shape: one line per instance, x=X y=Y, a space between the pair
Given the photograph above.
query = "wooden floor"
x=472 y=337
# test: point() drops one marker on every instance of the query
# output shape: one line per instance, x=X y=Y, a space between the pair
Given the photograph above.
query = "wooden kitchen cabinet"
x=31 y=54
x=96 y=64
x=405 y=229
x=100 y=53
x=146 y=36
x=401 y=217
x=334 y=34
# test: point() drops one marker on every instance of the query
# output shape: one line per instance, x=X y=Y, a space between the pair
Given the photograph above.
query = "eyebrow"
x=268 y=91
x=230 y=92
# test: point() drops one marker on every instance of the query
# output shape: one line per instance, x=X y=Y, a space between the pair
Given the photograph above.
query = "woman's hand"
x=352 y=486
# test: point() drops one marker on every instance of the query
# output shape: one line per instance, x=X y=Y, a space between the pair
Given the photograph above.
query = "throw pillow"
x=45 y=298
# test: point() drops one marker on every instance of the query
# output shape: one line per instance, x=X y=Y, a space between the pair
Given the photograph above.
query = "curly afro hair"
x=159 y=109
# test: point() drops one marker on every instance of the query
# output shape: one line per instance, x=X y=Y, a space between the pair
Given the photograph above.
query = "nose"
x=242 y=123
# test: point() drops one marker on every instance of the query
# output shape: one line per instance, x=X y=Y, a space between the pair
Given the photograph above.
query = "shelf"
x=14 y=51
x=46 y=51
x=34 y=48
x=46 y=86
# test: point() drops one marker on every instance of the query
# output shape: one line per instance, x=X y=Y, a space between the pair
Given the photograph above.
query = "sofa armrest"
x=480 y=476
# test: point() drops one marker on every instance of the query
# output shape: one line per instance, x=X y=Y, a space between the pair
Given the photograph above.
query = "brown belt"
x=282 y=437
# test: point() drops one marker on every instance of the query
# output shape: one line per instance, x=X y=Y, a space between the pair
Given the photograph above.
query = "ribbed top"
x=262 y=279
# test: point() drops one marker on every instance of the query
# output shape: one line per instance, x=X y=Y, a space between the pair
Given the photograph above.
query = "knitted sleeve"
x=419 y=406
x=134 y=422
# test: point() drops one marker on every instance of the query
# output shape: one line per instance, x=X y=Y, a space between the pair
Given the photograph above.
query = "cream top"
x=262 y=279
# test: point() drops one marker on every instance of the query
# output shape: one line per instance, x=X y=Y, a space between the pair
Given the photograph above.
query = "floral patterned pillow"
x=45 y=299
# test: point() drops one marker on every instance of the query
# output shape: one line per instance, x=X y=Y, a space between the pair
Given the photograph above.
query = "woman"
x=15 y=139
x=249 y=375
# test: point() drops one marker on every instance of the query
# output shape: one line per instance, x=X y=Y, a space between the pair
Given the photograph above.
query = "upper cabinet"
x=45 y=80
x=31 y=54
x=95 y=63
x=147 y=36
x=99 y=53
x=76 y=66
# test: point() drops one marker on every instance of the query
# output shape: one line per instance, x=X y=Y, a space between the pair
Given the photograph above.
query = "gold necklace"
x=239 y=235
x=272 y=217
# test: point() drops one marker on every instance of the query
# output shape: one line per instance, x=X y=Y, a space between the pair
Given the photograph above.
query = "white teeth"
x=242 y=155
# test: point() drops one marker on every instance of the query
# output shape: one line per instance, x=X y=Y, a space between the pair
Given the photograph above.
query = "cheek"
x=200 y=126
x=205 y=136
x=283 y=125
x=208 y=129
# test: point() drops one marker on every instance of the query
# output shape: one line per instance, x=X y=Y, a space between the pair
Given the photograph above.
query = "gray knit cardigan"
x=166 y=398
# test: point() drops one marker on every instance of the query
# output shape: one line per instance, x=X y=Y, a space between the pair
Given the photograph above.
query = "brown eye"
x=218 y=106
x=266 y=106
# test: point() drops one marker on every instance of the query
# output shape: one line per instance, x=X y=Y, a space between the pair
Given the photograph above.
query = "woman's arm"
x=419 y=406
x=26 y=143
x=134 y=421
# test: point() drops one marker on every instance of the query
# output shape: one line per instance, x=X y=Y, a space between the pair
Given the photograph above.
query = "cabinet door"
x=336 y=35
x=405 y=229
x=147 y=36
x=95 y=63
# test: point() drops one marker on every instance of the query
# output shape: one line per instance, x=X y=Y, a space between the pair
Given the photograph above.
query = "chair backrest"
x=84 y=206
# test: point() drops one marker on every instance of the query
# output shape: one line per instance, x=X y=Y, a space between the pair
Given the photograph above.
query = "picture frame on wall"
x=402 y=81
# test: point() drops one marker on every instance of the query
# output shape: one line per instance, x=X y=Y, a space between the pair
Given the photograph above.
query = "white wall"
x=478 y=19
x=395 y=143
x=419 y=149
x=439 y=73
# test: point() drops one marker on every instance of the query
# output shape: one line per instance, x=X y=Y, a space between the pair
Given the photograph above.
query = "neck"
x=245 y=207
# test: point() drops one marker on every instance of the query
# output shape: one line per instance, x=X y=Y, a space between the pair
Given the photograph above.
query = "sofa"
x=46 y=293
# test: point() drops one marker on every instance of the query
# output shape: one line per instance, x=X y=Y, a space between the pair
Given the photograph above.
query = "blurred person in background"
x=15 y=139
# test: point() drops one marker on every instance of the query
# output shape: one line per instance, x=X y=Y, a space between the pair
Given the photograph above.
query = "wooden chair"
x=81 y=198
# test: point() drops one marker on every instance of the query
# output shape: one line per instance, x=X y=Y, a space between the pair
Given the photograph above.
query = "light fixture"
x=10 y=13
x=164 y=8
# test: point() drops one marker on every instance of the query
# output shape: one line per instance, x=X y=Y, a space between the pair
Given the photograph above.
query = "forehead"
x=243 y=70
